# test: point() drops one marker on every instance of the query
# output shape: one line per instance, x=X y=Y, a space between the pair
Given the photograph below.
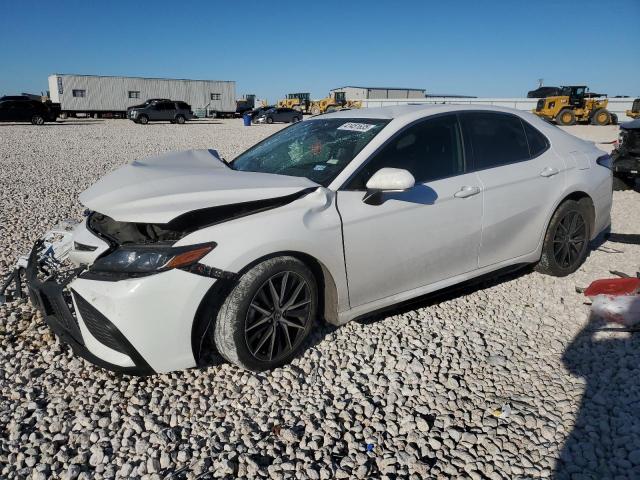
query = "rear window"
x=496 y=139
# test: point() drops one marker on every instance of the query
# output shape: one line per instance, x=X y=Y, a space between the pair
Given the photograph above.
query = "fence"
x=616 y=105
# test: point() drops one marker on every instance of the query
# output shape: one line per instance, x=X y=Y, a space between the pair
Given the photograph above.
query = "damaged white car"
x=330 y=218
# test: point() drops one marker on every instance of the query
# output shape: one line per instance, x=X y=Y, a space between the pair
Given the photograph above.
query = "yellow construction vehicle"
x=635 y=109
x=297 y=101
x=574 y=104
x=335 y=101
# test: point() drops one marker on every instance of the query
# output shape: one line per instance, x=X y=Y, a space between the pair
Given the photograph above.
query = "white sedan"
x=329 y=219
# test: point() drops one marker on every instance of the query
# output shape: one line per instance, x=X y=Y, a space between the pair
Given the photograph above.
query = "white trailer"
x=102 y=96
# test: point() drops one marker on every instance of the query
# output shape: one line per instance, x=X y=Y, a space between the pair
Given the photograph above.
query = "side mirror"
x=387 y=180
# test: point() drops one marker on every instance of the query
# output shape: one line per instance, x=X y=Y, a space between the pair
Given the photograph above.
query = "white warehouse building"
x=378 y=93
x=105 y=95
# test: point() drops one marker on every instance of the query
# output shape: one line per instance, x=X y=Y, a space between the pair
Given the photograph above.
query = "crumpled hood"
x=158 y=189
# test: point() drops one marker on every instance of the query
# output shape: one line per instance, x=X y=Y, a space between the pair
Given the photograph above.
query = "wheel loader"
x=575 y=105
x=335 y=101
x=635 y=109
x=297 y=101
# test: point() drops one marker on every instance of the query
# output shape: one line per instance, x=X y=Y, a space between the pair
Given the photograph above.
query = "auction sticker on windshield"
x=356 y=127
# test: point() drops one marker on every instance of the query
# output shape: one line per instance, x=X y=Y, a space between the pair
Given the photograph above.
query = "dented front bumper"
x=58 y=304
x=135 y=326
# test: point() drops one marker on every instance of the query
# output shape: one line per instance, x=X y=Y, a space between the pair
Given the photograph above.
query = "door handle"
x=467 y=191
x=549 y=172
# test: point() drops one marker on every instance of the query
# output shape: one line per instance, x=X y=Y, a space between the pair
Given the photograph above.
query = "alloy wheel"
x=278 y=316
x=570 y=239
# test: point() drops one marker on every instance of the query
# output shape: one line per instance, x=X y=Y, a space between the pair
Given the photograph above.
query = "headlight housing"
x=144 y=260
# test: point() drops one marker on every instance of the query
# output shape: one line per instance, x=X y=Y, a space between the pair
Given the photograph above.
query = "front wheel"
x=143 y=119
x=37 y=120
x=295 y=119
x=566 y=242
x=566 y=117
x=601 y=117
x=264 y=321
x=269 y=120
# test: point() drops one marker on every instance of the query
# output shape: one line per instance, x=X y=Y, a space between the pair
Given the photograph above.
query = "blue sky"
x=497 y=48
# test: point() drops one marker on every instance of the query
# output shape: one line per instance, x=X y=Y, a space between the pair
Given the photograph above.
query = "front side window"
x=316 y=149
x=429 y=150
x=79 y=93
x=496 y=138
x=215 y=96
x=134 y=94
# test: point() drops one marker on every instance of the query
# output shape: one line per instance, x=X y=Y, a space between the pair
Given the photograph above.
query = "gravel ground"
x=418 y=393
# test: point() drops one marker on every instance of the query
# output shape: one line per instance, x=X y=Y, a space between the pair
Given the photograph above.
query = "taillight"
x=605 y=161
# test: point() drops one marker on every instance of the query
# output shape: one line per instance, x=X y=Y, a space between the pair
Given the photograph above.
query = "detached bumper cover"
x=57 y=303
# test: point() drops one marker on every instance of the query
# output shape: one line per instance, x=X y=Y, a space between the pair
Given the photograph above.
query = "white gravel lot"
x=410 y=394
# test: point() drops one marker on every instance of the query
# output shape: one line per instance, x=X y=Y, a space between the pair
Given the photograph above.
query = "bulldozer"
x=297 y=101
x=573 y=105
x=635 y=109
x=335 y=101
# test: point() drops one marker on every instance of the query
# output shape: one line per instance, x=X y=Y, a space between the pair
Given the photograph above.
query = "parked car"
x=626 y=156
x=149 y=102
x=279 y=114
x=28 y=111
x=183 y=253
x=175 y=112
x=257 y=112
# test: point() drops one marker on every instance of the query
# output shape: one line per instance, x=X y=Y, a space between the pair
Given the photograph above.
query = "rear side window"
x=430 y=150
x=538 y=143
x=183 y=106
x=496 y=139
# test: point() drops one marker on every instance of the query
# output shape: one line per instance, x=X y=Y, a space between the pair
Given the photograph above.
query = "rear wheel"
x=601 y=117
x=37 y=120
x=566 y=117
x=265 y=319
x=143 y=119
x=180 y=120
x=566 y=242
x=315 y=110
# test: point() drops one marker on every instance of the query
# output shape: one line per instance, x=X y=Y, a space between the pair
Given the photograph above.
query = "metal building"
x=365 y=93
x=98 y=95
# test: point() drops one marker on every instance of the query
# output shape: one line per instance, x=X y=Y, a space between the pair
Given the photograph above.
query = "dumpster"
x=247 y=119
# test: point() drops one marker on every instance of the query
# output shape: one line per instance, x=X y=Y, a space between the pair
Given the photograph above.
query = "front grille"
x=540 y=105
x=98 y=324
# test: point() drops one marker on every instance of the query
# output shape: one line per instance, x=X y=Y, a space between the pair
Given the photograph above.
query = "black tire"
x=180 y=120
x=37 y=120
x=566 y=244
x=143 y=119
x=620 y=183
x=269 y=120
x=295 y=119
x=566 y=117
x=274 y=340
x=601 y=117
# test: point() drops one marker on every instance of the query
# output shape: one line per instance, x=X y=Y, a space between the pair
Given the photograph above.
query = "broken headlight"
x=150 y=259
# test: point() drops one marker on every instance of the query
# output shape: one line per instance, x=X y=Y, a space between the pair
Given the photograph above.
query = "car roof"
x=414 y=111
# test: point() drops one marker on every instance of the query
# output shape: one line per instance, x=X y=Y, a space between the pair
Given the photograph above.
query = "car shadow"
x=190 y=123
x=605 y=440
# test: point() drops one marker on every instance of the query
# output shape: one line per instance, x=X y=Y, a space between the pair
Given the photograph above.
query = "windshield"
x=317 y=149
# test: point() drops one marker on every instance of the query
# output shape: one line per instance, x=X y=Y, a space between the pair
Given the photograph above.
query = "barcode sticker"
x=356 y=127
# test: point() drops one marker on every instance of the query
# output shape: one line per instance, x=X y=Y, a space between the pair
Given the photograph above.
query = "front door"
x=418 y=237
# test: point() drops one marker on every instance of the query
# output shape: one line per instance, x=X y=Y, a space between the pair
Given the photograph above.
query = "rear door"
x=521 y=177
x=417 y=237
